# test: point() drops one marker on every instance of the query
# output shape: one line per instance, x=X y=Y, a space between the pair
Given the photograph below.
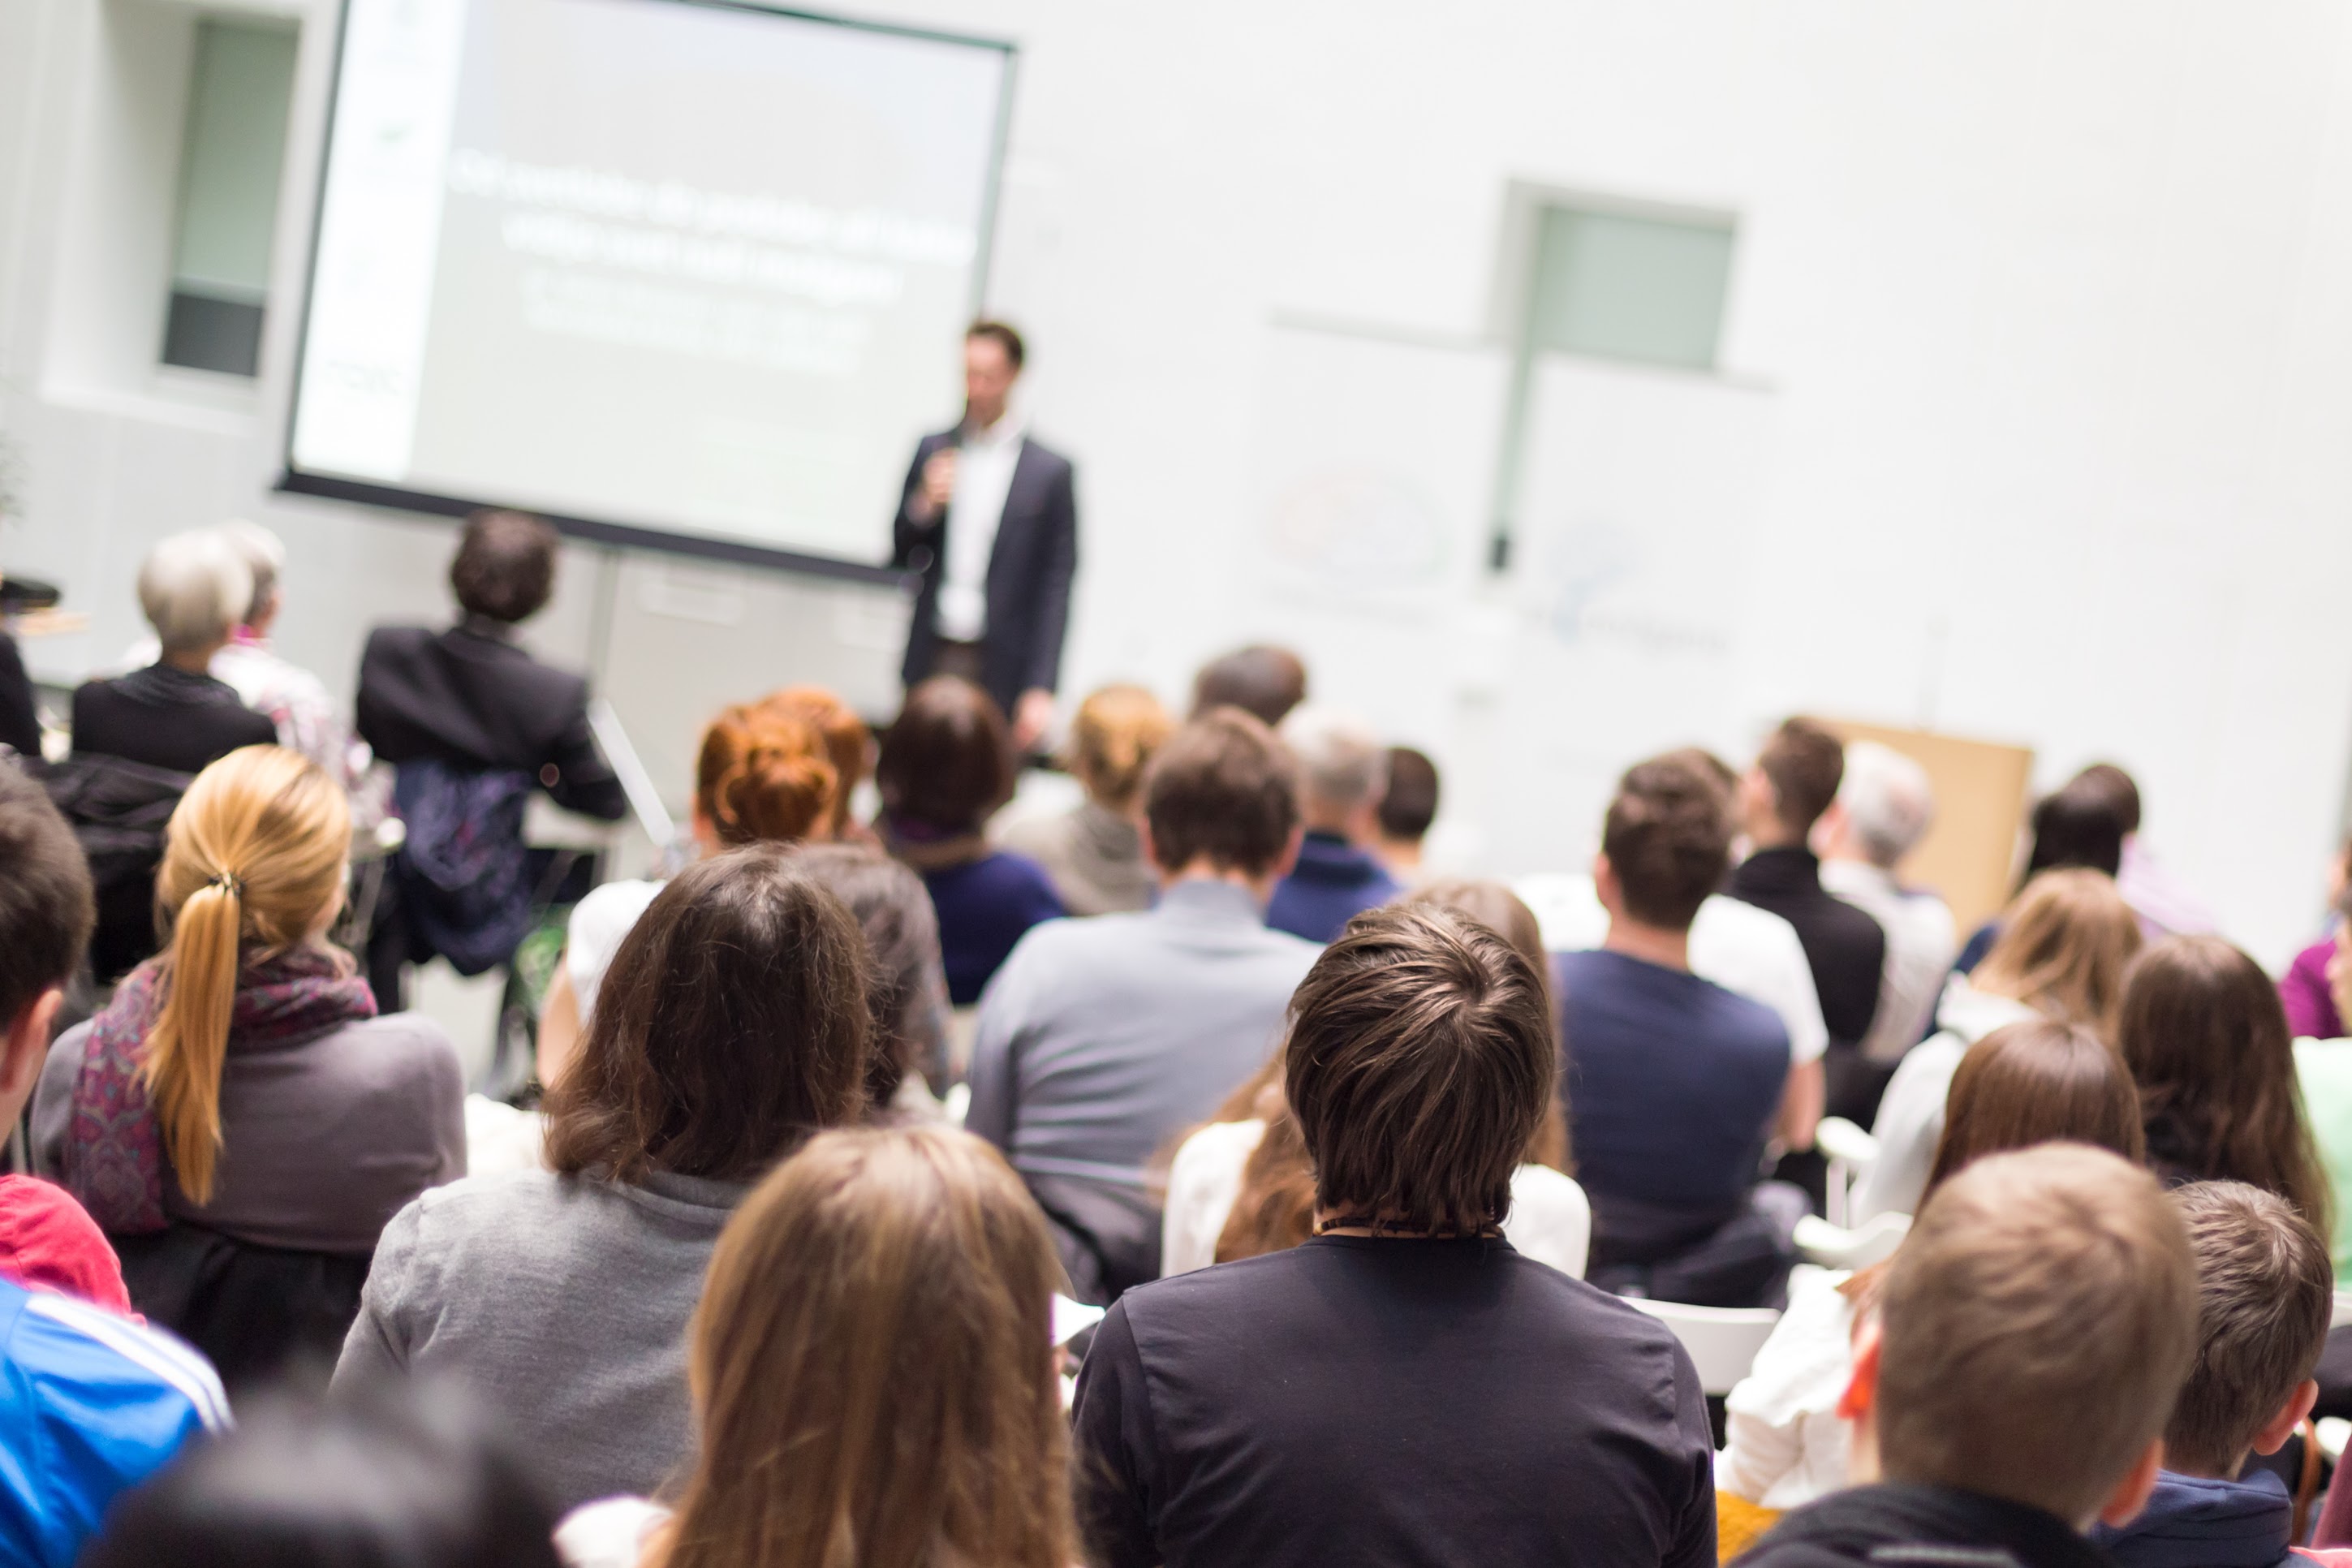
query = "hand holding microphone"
x=938 y=487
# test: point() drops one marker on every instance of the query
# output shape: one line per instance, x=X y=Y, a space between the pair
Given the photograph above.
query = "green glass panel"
x=237 y=102
x=1617 y=287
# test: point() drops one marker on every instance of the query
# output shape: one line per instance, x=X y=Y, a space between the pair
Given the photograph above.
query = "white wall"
x=2052 y=308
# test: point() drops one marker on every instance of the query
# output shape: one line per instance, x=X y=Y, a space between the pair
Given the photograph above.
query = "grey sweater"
x=561 y=1302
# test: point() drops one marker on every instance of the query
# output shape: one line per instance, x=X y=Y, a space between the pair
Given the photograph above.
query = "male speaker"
x=989 y=520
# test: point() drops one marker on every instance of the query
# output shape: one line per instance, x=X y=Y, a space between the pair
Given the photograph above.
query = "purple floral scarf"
x=114 y=1153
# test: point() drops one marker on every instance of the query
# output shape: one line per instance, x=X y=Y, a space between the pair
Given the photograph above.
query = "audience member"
x=731 y=1024
x=1403 y=1386
x=873 y=1374
x=760 y=776
x=846 y=741
x=2064 y=947
x=2201 y=1029
x=2265 y=1292
x=2311 y=1010
x=381 y=1482
x=2165 y=907
x=2029 y=1083
x=472 y=724
x=2082 y=824
x=1242 y=1185
x=90 y=1403
x=1794 y=781
x=48 y=1242
x=1674 y=1084
x=2030 y=1340
x=1262 y=680
x=1343 y=773
x=946 y=765
x=1407 y=808
x=1101 y=1038
x=137 y=738
x=2323 y=1071
x=905 y=989
x=238 y=1117
x=1094 y=854
x=1883 y=807
x=20 y=715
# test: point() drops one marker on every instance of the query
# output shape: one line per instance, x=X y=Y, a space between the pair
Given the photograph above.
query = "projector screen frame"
x=292 y=481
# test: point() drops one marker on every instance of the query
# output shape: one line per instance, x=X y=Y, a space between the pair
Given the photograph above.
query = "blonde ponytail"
x=255 y=853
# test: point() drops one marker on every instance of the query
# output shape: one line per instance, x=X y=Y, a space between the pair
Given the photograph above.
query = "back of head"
x=2037 y=1082
x=731 y=1022
x=1410 y=803
x=1341 y=764
x=1504 y=912
x=1889 y=799
x=1804 y=763
x=873 y=1369
x=45 y=908
x=1419 y=1060
x=402 y=1477
x=947 y=761
x=2084 y=823
x=846 y=739
x=505 y=567
x=2265 y=1291
x=1225 y=790
x=194 y=589
x=763 y=775
x=2203 y=1032
x=1112 y=741
x=264 y=554
x=253 y=859
x=2110 y=782
x=1667 y=835
x=2038 y=1321
x=1260 y=679
x=905 y=990
x=2064 y=947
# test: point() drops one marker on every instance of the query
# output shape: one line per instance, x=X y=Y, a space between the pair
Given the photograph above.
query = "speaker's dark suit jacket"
x=1029 y=571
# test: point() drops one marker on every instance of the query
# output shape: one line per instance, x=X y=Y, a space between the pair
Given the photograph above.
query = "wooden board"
x=1969 y=856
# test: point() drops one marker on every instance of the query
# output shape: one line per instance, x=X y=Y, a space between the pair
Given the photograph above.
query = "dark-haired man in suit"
x=989 y=519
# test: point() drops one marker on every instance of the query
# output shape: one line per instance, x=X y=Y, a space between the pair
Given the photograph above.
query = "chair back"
x=1722 y=1341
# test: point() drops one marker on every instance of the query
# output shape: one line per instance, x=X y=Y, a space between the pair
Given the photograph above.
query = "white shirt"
x=599 y=921
x=1550 y=1219
x=611 y=1533
x=1785 y=1444
x=1920 y=945
x=984 y=465
x=1740 y=947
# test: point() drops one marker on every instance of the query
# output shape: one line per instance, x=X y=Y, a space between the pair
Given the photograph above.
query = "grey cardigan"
x=561 y=1302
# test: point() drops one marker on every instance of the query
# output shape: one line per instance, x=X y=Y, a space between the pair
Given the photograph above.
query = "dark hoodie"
x=1900 y=1525
x=2192 y=1522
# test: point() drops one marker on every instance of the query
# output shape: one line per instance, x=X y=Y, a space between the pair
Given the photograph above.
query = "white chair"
x=1835 y=1246
x=1722 y=1341
x=1850 y=1152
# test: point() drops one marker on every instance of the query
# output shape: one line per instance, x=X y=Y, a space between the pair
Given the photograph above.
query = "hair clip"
x=228 y=882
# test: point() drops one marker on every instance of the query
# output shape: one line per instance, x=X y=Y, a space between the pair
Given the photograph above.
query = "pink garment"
x=48 y=1242
x=2165 y=907
x=2303 y=991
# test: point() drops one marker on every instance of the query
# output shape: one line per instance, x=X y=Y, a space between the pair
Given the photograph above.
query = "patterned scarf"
x=115 y=1153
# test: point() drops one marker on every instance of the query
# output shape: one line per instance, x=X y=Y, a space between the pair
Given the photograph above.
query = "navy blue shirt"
x=1673 y=1082
x=984 y=907
x=1333 y=882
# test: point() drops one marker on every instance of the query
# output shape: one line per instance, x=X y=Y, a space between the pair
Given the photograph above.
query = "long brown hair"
x=1274 y=1208
x=2064 y=946
x=731 y=1023
x=2208 y=1040
x=254 y=857
x=873 y=1368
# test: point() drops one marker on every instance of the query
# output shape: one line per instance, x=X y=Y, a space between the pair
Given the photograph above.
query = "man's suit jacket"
x=1029 y=571
x=471 y=698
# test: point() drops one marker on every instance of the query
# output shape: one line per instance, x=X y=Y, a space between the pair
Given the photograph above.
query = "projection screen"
x=674 y=273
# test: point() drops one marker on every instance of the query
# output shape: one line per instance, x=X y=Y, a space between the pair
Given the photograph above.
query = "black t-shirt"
x=1391 y=1401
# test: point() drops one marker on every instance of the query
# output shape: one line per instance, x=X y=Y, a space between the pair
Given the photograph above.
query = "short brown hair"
x=505 y=566
x=1668 y=838
x=1804 y=763
x=731 y=1023
x=2265 y=1291
x=2037 y=1082
x=45 y=905
x=1419 y=1060
x=2039 y=1321
x=1410 y=804
x=947 y=761
x=1001 y=333
x=1225 y=787
x=1260 y=679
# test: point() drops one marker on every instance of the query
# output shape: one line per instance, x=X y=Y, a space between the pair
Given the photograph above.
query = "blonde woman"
x=1094 y=852
x=872 y=1375
x=237 y=1119
x=2064 y=946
